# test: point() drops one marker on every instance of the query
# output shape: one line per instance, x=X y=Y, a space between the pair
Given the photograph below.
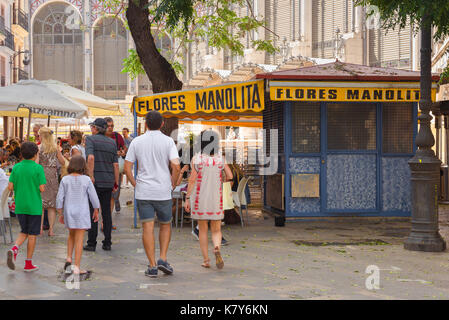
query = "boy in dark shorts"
x=27 y=180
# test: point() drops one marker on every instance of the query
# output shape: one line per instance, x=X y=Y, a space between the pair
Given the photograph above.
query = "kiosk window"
x=397 y=128
x=306 y=119
x=351 y=126
x=273 y=118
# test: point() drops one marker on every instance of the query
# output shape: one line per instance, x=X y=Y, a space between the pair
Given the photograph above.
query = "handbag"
x=228 y=203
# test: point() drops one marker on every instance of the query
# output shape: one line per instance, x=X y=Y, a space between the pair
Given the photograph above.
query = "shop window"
x=397 y=128
x=351 y=126
x=306 y=119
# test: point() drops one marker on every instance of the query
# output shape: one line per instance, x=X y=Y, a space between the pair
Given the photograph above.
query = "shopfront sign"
x=238 y=97
x=347 y=94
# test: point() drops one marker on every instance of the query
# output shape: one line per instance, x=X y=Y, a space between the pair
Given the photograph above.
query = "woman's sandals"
x=206 y=263
x=218 y=259
x=69 y=271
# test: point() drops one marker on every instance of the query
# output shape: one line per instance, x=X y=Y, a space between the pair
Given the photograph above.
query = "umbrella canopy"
x=40 y=99
x=97 y=106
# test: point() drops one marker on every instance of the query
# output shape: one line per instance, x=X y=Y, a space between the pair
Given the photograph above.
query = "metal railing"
x=9 y=40
x=19 y=74
x=2 y=26
x=20 y=18
x=22 y=74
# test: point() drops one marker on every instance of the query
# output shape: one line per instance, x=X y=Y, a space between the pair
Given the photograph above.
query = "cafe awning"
x=233 y=99
x=39 y=99
x=97 y=105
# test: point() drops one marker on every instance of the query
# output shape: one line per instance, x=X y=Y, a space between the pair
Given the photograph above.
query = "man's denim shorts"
x=148 y=208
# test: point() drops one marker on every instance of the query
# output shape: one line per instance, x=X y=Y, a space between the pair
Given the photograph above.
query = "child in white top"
x=75 y=191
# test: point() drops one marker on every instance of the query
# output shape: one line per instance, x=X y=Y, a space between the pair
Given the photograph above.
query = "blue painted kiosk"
x=346 y=133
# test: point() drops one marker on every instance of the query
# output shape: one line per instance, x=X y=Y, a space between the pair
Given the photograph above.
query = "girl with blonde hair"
x=49 y=155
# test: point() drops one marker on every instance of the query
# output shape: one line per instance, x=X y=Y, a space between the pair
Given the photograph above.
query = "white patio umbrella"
x=39 y=99
x=97 y=105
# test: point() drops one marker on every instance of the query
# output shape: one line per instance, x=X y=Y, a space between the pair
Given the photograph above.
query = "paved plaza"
x=307 y=259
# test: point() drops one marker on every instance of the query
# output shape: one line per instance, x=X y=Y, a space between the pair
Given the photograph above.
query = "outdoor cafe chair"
x=177 y=194
x=240 y=198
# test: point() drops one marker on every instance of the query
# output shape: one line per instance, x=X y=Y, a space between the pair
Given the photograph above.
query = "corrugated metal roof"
x=345 y=71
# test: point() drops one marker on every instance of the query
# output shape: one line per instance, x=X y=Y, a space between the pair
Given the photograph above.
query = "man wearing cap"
x=102 y=167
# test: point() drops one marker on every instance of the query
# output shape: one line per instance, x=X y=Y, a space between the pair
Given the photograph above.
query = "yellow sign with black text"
x=239 y=97
x=346 y=94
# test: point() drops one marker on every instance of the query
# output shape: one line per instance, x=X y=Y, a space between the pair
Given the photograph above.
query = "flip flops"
x=218 y=259
x=66 y=265
x=67 y=271
x=206 y=264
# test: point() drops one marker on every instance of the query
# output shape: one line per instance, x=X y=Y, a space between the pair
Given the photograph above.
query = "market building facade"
x=14 y=53
x=78 y=35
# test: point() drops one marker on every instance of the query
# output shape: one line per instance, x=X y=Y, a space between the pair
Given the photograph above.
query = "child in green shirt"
x=27 y=180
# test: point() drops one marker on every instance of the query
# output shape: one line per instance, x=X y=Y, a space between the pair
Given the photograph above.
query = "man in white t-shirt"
x=155 y=154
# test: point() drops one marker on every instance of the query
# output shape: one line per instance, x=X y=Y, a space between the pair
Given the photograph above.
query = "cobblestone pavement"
x=307 y=259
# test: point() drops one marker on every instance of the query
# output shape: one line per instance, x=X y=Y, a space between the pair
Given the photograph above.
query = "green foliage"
x=134 y=68
x=132 y=65
x=444 y=76
x=174 y=12
x=178 y=67
x=213 y=21
x=262 y=45
x=399 y=13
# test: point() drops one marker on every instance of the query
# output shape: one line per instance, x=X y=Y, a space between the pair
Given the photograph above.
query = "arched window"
x=110 y=48
x=58 y=44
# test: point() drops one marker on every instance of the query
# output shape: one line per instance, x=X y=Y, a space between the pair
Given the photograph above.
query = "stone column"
x=88 y=53
x=132 y=84
x=306 y=28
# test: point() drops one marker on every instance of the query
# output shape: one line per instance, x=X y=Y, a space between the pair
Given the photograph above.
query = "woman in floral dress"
x=205 y=193
x=49 y=155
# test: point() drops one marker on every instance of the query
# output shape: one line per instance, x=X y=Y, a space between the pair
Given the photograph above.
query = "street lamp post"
x=338 y=44
x=284 y=49
x=425 y=166
x=26 y=60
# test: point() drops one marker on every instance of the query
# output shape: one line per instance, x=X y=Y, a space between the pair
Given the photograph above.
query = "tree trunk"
x=160 y=72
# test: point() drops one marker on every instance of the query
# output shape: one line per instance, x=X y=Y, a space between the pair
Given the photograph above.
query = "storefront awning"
x=223 y=100
x=346 y=82
x=344 y=91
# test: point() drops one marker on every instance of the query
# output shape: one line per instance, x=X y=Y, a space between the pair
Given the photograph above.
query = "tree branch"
x=252 y=14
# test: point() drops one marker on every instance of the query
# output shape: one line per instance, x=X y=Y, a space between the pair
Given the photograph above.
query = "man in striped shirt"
x=102 y=167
